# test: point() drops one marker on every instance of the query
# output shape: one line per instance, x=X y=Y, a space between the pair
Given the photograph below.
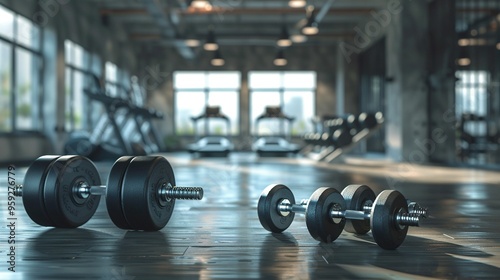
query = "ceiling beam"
x=236 y=11
x=239 y=36
x=266 y=11
x=123 y=12
x=272 y=11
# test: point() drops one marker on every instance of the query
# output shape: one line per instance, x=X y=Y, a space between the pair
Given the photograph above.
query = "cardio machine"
x=274 y=145
x=143 y=118
x=107 y=141
x=215 y=146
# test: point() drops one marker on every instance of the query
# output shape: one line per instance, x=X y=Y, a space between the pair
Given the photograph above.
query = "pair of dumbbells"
x=329 y=212
x=64 y=191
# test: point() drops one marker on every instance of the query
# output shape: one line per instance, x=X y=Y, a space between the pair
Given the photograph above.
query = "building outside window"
x=293 y=91
x=196 y=90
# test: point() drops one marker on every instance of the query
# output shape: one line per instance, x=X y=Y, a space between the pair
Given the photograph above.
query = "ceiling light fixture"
x=217 y=60
x=473 y=42
x=201 y=4
x=464 y=61
x=280 y=59
x=211 y=44
x=311 y=27
x=188 y=40
x=297 y=3
x=298 y=38
x=284 y=40
x=463 y=57
x=193 y=43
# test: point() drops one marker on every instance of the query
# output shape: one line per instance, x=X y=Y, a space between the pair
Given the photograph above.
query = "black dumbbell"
x=370 y=120
x=361 y=198
x=326 y=214
x=313 y=139
x=64 y=191
x=339 y=138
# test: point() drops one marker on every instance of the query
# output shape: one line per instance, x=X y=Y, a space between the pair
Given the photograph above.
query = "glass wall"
x=81 y=67
x=477 y=90
x=196 y=90
x=20 y=72
x=293 y=91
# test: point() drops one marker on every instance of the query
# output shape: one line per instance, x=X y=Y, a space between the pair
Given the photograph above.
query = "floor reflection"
x=56 y=252
x=280 y=258
x=418 y=257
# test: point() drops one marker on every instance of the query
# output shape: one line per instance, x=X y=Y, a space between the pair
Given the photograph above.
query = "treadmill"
x=274 y=146
x=211 y=146
x=107 y=141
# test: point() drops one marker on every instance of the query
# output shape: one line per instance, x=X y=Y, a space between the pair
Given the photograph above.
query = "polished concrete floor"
x=221 y=237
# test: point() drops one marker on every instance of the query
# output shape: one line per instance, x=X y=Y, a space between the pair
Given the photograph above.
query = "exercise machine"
x=143 y=118
x=106 y=142
x=274 y=145
x=211 y=145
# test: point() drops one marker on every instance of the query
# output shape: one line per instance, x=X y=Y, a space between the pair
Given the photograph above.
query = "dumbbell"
x=64 y=191
x=370 y=120
x=361 y=198
x=326 y=214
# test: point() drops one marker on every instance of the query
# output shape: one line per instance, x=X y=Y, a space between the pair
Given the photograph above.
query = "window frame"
x=36 y=53
x=285 y=129
x=468 y=88
x=206 y=89
x=87 y=71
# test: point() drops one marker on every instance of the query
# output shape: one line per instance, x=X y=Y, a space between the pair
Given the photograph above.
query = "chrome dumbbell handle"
x=166 y=192
x=402 y=218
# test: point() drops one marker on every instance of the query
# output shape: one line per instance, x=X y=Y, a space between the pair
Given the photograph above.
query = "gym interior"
x=351 y=139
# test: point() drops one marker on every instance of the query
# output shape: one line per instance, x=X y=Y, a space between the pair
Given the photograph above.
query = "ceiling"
x=235 y=22
x=252 y=22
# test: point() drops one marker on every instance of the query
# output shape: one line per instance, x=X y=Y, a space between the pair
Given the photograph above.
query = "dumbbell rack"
x=330 y=154
x=356 y=139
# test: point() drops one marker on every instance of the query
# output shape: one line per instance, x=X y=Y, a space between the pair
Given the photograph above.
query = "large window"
x=196 y=90
x=293 y=91
x=27 y=92
x=80 y=66
x=117 y=81
x=20 y=68
x=111 y=71
x=471 y=92
x=5 y=86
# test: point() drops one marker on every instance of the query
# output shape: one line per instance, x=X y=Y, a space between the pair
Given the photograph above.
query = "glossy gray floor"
x=221 y=237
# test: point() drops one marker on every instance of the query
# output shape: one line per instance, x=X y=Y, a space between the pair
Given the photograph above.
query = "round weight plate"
x=34 y=182
x=368 y=120
x=64 y=207
x=319 y=222
x=141 y=203
x=267 y=208
x=356 y=196
x=341 y=138
x=385 y=230
x=114 y=192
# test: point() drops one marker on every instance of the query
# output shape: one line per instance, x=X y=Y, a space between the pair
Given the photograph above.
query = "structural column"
x=441 y=138
x=407 y=47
